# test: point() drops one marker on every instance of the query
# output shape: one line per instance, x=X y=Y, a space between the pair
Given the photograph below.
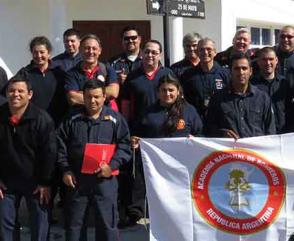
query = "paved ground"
x=135 y=233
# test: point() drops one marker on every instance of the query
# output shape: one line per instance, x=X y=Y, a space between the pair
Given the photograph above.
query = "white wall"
x=266 y=12
x=22 y=20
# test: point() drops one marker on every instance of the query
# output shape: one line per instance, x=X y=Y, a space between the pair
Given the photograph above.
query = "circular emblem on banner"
x=238 y=191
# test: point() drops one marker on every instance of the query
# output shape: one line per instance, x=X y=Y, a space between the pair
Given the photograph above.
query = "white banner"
x=202 y=189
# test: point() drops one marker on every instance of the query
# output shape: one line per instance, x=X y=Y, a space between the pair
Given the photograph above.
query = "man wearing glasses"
x=131 y=58
x=208 y=77
x=285 y=54
x=285 y=50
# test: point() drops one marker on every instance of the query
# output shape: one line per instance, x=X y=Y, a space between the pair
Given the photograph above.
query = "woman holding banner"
x=170 y=116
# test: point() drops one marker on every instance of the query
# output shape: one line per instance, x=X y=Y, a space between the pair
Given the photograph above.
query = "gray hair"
x=205 y=40
x=191 y=37
x=242 y=30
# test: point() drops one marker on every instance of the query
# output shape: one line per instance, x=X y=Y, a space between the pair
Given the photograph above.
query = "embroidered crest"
x=181 y=124
x=219 y=84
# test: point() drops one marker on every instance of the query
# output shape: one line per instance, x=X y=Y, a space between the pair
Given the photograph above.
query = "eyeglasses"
x=202 y=50
x=128 y=38
x=152 y=52
x=288 y=36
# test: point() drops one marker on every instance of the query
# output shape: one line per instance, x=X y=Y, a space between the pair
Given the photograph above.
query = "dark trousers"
x=38 y=216
x=125 y=186
x=101 y=194
x=138 y=194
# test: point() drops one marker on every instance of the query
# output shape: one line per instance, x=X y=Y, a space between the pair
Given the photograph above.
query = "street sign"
x=155 y=7
x=186 y=8
x=180 y=8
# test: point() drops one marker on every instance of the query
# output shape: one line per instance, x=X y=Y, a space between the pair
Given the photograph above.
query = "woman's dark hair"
x=153 y=41
x=175 y=111
x=41 y=40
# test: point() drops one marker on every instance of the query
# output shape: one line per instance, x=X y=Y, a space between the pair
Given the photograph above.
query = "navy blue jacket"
x=76 y=77
x=199 y=86
x=121 y=62
x=140 y=91
x=286 y=61
x=247 y=115
x=48 y=88
x=78 y=130
x=224 y=57
x=152 y=124
x=66 y=61
x=28 y=149
x=2 y=100
x=179 y=68
x=277 y=89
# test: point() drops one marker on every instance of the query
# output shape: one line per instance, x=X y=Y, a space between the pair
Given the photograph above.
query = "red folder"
x=95 y=155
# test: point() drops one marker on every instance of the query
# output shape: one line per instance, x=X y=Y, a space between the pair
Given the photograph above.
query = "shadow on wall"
x=5 y=67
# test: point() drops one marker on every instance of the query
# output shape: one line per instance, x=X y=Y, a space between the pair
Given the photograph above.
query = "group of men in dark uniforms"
x=238 y=93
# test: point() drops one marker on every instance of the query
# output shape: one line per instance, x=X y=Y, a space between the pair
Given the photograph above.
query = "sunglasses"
x=128 y=38
x=288 y=36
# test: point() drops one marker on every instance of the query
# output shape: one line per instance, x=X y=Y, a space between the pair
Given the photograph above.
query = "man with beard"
x=131 y=58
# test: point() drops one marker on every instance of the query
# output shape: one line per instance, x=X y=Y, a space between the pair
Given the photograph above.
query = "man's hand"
x=135 y=142
x=231 y=134
x=44 y=194
x=104 y=171
x=121 y=76
x=2 y=189
x=69 y=179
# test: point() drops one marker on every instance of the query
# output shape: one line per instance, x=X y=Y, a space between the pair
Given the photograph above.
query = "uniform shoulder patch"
x=110 y=118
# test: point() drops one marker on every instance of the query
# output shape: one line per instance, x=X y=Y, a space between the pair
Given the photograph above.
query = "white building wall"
x=210 y=26
x=21 y=20
x=271 y=13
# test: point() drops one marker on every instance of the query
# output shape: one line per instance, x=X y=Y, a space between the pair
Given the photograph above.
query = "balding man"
x=285 y=50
